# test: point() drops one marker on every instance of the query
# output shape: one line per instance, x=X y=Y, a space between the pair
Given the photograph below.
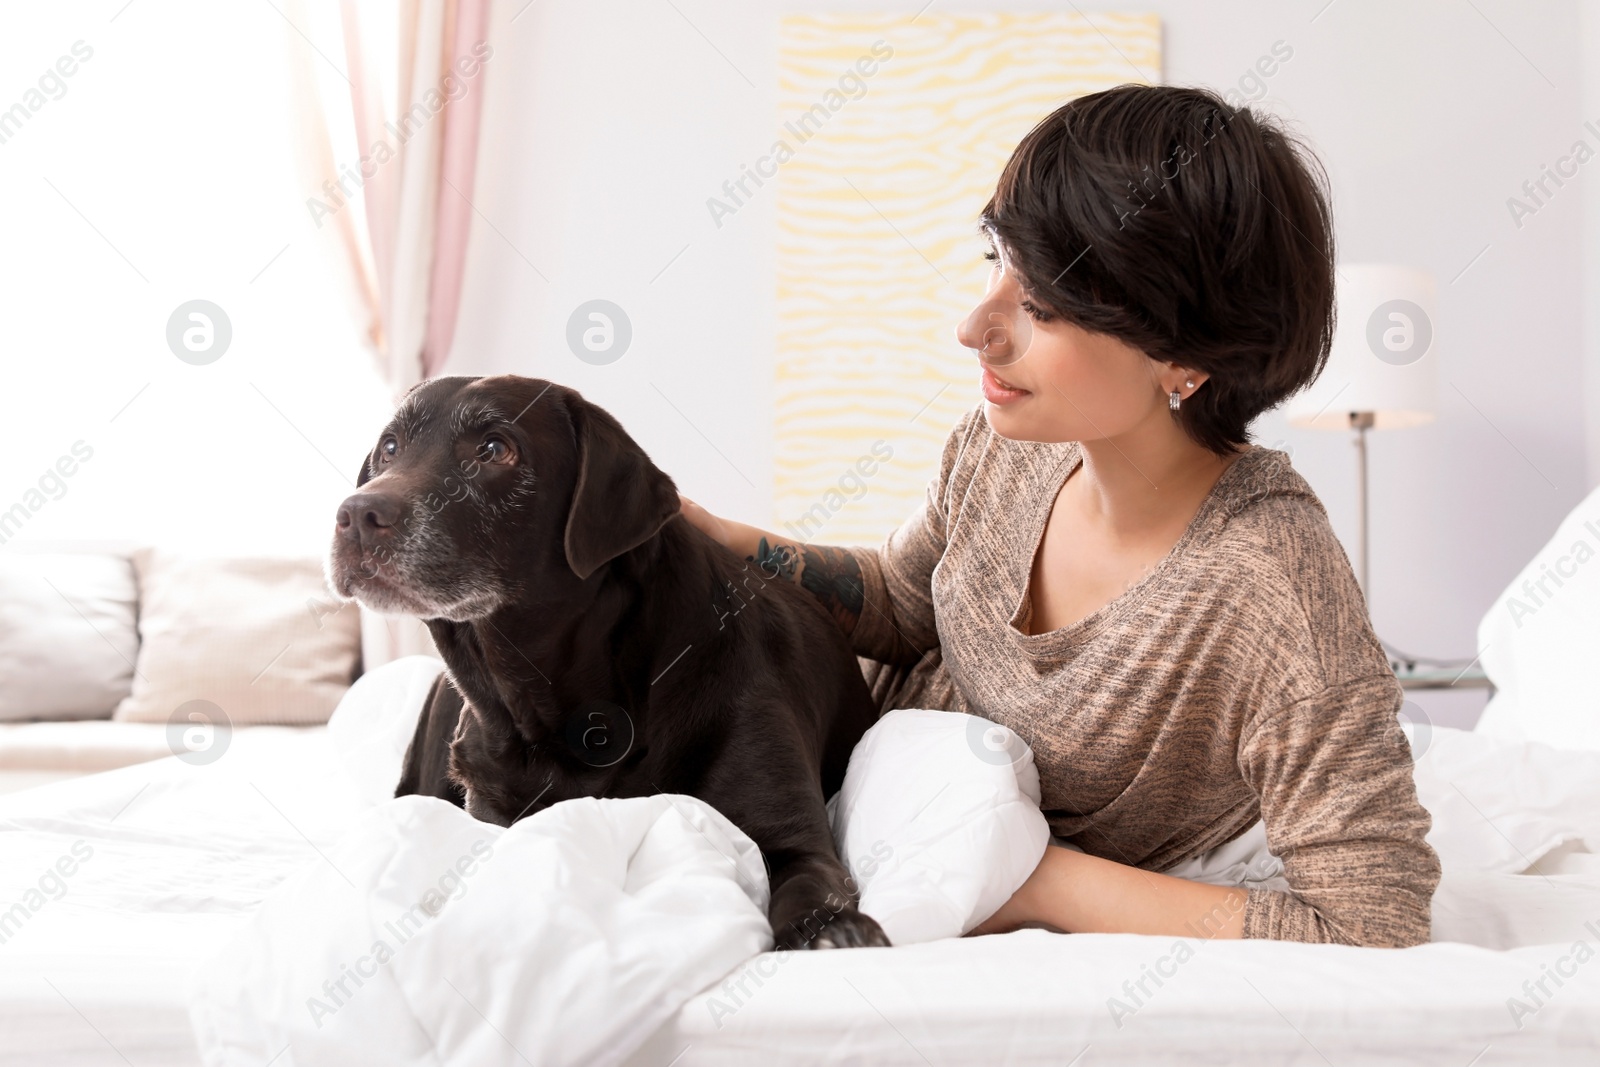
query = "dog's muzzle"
x=370 y=520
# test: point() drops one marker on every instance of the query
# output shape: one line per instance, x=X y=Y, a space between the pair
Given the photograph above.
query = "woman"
x=1107 y=566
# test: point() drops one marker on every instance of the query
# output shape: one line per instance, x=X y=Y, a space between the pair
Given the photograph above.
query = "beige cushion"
x=68 y=637
x=261 y=639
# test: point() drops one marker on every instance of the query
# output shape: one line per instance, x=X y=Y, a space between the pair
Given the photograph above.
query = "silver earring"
x=1173 y=400
x=1189 y=384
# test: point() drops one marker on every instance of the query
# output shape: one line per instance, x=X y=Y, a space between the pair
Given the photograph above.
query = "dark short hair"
x=1195 y=231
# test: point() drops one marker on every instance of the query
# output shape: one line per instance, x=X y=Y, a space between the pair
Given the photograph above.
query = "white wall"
x=606 y=127
x=609 y=122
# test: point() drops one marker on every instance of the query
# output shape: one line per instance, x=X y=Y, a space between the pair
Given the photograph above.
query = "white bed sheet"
x=181 y=855
x=1037 y=998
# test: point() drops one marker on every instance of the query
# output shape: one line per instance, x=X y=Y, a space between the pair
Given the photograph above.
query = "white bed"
x=182 y=854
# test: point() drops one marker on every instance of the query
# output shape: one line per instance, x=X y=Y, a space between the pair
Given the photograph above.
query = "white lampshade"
x=1385 y=352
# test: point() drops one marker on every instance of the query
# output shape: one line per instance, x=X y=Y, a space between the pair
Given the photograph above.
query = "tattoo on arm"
x=834 y=577
x=775 y=561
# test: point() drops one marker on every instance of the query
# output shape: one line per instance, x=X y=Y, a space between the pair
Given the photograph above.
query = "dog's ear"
x=621 y=499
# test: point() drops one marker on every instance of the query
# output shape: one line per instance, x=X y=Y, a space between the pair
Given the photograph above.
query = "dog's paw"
x=848 y=928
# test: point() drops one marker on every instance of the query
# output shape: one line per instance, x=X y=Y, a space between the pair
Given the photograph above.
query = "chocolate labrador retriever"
x=597 y=644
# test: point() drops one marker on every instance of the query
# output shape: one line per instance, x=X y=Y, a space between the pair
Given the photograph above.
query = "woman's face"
x=1048 y=380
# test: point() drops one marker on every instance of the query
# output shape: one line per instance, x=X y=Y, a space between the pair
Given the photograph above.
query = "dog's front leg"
x=814 y=905
x=771 y=789
x=426 y=770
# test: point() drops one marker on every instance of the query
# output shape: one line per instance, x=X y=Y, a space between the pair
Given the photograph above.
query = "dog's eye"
x=388 y=448
x=495 y=450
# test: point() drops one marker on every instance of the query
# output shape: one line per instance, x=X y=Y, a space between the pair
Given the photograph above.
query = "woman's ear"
x=620 y=499
x=1181 y=380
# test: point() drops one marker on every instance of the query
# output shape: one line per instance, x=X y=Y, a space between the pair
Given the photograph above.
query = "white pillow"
x=1540 y=636
x=1499 y=806
x=938 y=821
x=68 y=635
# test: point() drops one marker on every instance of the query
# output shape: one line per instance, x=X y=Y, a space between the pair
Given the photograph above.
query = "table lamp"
x=1383 y=370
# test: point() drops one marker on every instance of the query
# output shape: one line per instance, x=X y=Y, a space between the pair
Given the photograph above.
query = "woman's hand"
x=706 y=523
x=738 y=538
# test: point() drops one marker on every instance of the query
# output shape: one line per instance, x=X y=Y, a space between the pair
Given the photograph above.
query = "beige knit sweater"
x=1238 y=680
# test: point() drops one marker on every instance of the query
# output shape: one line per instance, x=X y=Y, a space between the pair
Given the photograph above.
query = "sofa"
x=114 y=653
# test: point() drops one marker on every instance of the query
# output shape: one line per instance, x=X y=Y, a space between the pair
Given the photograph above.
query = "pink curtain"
x=458 y=163
x=412 y=87
x=403 y=82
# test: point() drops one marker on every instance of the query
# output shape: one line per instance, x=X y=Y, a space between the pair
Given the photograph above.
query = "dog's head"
x=484 y=491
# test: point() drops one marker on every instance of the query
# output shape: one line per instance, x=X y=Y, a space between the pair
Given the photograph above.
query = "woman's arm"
x=1081 y=894
x=1335 y=778
x=882 y=597
x=1339 y=798
x=832 y=574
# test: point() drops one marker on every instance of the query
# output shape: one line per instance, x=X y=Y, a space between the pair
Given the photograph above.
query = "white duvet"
x=428 y=937
x=424 y=936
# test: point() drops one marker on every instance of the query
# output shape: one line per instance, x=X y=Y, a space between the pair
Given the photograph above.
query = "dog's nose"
x=369 y=517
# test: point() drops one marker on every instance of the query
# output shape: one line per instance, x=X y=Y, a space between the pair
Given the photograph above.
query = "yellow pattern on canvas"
x=891 y=133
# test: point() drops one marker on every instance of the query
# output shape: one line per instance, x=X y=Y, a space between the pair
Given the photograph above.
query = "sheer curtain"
x=390 y=100
x=390 y=96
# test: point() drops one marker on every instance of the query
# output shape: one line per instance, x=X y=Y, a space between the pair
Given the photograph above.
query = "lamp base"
x=1401 y=662
x=1360 y=423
